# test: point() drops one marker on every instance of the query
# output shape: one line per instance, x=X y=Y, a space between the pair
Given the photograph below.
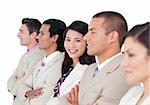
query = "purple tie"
x=95 y=71
x=60 y=81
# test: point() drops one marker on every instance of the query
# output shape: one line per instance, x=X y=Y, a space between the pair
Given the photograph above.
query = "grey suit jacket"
x=46 y=80
x=26 y=64
x=107 y=87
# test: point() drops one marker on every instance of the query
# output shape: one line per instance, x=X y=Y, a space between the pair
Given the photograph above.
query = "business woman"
x=137 y=65
x=76 y=59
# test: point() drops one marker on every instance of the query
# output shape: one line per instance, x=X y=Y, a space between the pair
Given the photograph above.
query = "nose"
x=18 y=34
x=72 y=44
x=86 y=36
x=37 y=37
x=124 y=62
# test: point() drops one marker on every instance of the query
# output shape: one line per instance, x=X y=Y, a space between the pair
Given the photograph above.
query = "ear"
x=55 y=37
x=33 y=35
x=113 y=36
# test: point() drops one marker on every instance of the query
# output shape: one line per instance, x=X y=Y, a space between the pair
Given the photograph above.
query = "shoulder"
x=135 y=90
x=132 y=95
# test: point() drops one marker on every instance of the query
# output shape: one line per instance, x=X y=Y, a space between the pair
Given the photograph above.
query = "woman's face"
x=136 y=61
x=74 y=44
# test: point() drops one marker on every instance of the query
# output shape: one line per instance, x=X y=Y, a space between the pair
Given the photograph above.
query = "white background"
x=12 y=11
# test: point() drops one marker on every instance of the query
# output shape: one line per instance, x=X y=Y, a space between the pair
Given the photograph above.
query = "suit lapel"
x=46 y=68
x=92 y=81
x=100 y=78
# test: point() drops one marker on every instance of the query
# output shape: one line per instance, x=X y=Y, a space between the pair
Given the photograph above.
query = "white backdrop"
x=12 y=11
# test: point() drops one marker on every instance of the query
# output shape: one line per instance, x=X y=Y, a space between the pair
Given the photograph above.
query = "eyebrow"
x=74 y=38
x=127 y=51
x=91 y=29
x=41 y=31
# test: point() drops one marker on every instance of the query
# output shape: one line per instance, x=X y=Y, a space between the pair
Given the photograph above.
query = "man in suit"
x=38 y=88
x=104 y=82
x=27 y=34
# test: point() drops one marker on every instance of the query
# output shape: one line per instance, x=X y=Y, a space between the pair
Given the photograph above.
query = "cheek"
x=82 y=46
x=139 y=68
x=65 y=45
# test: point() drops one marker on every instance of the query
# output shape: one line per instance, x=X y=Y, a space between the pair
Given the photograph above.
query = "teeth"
x=73 y=51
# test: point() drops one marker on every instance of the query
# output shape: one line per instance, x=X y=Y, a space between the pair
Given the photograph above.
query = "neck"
x=32 y=45
x=50 y=50
x=146 y=87
x=75 y=61
x=106 y=55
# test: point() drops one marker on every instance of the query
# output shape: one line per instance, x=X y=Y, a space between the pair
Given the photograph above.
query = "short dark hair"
x=32 y=24
x=114 y=21
x=142 y=33
x=82 y=28
x=56 y=27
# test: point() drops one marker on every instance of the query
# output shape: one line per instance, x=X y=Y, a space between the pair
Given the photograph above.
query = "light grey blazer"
x=106 y=88
x=72 y=79
x=46 y=80
x=26 y=64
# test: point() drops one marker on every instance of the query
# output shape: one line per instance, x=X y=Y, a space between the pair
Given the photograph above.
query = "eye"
x=41 y=33
x=78 y=40
x=67 y=39
x=93 y=32
x=131 y=55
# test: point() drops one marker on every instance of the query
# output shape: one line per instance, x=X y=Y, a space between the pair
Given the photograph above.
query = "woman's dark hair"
x=142 y=34
x=82 y=28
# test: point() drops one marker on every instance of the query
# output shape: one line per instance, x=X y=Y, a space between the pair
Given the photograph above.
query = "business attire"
x=103 y=84
x=133 y=96
x=45 y=76
x=71 y=80
x=26 y=65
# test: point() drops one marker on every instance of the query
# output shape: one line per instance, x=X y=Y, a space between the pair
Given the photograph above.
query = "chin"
x=90 y=53
x=23 y=44
x=132 y=81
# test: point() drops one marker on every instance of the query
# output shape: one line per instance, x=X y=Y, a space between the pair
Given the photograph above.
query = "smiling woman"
x=137 y=65
x=76 y=59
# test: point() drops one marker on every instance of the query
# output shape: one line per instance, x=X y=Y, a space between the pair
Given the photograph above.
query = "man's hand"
x=73 y=95
x=34 y=93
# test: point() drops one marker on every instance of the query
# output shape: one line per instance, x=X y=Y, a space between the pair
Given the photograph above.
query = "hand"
x=34 y=93
x=20 y=76
x=73 y=95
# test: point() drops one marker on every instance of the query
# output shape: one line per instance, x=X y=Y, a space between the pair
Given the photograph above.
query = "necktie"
x=95 y=71
x=41 y=66
x=60 y=81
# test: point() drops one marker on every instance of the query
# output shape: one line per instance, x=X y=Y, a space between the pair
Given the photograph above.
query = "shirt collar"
x=30 y=50
x=48 y=58
x=100 y=66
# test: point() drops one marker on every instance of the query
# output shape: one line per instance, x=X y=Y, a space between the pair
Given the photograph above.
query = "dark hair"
x=33 y=25
x=142 y=33
x=114 y=21
x=56 y=27
x=82 y=28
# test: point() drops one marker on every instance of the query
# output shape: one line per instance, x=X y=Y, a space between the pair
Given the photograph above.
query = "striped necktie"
x=95 y=71
x=60 y=81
